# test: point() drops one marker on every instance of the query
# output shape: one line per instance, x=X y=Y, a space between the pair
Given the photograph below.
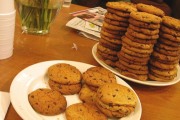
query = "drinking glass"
x=37 y=15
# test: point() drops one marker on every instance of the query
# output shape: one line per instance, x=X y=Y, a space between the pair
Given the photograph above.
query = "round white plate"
x=150 y=83
x=34 y=77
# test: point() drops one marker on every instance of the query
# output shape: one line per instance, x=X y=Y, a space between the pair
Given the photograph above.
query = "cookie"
x=87 y=95
x=171 y=22
x=115 y=17
x=47 y=101
x=134 y=76
x=129 y=61
x=132 y=53
x=167 y=78
x=133 y=66
x=170 y=37
x=150 y=9
x=134 y=49
x=116 y=98
x=163 y=57
x=169 y=42
x=161 y=65
x=136 y=44
x=124 y=68
x=106 y=61
x=145 y=17
x=141 y=35
x=118 y=12
x=165 y=61
x=112 y=36
x=109 y=45
x=134 y=58
x=110 y=63
x=124 y=110
x=161 y=72
x=116 y=22
x=115 y=41
x=144 y=41
x=145 y=25
x=116 y=94
x=93 y=88
x=111 y=114
x=167 y=47
x=144 y=30
x=115 y=32
x=113 y=27
x=84 y=111
x=97 y=76
x=65 y=89
x=170 y=31
x=106 y=56
x=106 y=50
x=155 y=78
x=64 y=74
x=167 y=52
x=122 y=6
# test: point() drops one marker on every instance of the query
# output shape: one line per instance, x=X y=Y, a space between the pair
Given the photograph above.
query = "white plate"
x=150 y=83
x=34 y=77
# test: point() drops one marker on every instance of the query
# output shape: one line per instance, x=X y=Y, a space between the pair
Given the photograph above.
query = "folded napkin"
x=4 y=104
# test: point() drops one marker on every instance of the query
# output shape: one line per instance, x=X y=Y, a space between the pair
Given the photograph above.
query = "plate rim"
x=149 y=83
x=14 y=99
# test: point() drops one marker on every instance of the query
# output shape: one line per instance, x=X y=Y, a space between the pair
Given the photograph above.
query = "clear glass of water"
x=37 y=15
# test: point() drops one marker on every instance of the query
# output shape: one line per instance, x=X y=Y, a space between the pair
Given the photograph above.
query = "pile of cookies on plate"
x=102 y=97
x=149 y=49
x=114 y=27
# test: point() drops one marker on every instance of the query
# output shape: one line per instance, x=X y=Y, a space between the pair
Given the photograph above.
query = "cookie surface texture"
x=87 y=95
x=150 y=9
x=47 y=101
x=141 y=24
x=97 y=76
x=123 y=6
x=116 y=94
x=64 y=73
x=84 y=111
x=171 y=22
x=145 y=17
x=115 y=100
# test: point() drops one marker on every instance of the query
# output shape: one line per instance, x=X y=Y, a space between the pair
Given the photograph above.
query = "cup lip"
x=9 y=13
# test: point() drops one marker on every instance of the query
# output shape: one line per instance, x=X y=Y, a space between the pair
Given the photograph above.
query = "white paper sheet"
x=4 y=104
x=80 y=24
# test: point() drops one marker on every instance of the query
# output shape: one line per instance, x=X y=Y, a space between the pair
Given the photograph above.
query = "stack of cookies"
x=93 y=78
x=115 y=100
x=64 y=78
x=166 y=52
x=137 y=45
x=114 y=27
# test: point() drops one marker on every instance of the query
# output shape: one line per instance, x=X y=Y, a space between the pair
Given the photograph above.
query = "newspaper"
x=86 y=28
x=94 y=15
x=88 y=22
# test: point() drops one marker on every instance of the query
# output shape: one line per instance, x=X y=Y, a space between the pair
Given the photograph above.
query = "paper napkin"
x=4 y=104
